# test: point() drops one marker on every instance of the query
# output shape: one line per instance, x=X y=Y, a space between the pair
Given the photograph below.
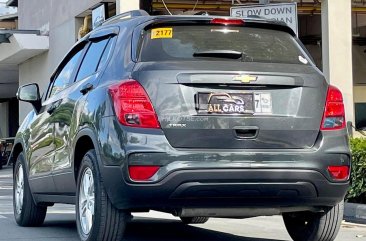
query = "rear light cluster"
x=334 y=115
x=339 y=173
x=133 y=106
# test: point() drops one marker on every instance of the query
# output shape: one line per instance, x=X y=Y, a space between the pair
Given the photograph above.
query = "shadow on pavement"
x=150 y=229
x=142 y=229
x=60 y=224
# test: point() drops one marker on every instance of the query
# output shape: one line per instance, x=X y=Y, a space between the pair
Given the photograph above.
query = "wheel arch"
x=17 y=149
x=85 y=140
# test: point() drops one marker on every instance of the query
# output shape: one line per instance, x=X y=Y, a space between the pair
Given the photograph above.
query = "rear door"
x=231 y=87
x=66 y=118
x=42 y=135
x=61 y=108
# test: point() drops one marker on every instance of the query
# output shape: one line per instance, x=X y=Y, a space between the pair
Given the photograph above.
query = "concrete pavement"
x=60 y=225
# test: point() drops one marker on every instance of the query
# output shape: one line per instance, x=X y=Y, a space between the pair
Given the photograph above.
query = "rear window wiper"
x=228 y=54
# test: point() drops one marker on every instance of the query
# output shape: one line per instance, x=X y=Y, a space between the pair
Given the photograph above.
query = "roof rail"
x=126 y=15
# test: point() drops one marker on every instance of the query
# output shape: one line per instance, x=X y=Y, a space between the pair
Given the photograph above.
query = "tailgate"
x=235 y=105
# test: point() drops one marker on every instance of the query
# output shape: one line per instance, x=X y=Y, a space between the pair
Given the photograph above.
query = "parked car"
x=6 y=145
x=197 y=116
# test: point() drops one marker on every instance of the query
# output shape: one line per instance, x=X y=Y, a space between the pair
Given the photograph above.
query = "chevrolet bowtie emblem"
x=245 y=78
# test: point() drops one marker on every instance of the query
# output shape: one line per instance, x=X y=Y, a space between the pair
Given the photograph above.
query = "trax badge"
x=245 y=78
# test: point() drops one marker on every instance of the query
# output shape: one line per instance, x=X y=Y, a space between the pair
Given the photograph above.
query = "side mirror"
x=30 y=93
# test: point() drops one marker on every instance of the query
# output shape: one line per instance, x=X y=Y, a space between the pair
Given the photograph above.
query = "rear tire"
x=26 y=212
x=308 y=226
x=107 y=223
x=194 y=220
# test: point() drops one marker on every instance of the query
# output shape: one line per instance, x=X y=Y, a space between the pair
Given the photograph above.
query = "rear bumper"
x=220 y=178
x=225 y=188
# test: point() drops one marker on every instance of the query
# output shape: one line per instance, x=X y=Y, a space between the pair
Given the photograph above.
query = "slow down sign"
x=285 y=12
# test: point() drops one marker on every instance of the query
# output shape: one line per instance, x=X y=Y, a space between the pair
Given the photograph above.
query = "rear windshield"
x=172 y=43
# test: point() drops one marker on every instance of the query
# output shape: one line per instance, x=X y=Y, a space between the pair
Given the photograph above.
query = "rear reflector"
x=142 y=173
x=334 y=114
x=339 y=173
x=133 y=106
x=226 y=21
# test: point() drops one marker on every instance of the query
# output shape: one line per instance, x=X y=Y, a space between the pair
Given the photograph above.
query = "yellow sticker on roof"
x=157 y=33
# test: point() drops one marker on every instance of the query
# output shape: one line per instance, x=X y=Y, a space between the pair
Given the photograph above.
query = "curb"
x=355 y=213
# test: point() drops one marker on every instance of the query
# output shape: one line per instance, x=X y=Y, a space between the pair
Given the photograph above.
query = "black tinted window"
x=63 y=78
x=255 y=44
x=91 y=59
x=107 y=52
x=360 y=113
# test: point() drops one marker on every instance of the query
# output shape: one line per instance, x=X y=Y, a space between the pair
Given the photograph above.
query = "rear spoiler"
x=253 y=22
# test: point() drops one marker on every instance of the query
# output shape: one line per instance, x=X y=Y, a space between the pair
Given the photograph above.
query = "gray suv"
x=197 y=116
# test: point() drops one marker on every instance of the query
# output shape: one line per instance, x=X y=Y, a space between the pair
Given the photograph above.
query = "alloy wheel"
x=86 y=201
x=19 y=189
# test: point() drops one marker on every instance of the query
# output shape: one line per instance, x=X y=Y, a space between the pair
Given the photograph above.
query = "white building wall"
x=60 y=43
x=36 y=14
x=56 y=19
x=34 y=70
x=337 y=49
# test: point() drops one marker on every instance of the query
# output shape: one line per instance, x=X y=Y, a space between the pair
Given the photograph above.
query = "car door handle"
x=53 y=107
x=86 y=88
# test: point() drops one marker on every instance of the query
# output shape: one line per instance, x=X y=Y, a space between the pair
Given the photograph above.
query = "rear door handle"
x=53 y=106
x=86 y=88
x=246 y=132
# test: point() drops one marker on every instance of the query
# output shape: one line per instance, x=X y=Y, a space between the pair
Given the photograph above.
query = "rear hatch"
x=231 y=87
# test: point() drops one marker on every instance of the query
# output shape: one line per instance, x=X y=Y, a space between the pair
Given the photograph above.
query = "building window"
x=360 y=112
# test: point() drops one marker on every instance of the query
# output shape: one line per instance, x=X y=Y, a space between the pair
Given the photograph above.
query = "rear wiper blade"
x=229 y=54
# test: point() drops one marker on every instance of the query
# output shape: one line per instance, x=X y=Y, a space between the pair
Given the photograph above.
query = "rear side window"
x=173 y=43
x=106 y=54
x=92 y=59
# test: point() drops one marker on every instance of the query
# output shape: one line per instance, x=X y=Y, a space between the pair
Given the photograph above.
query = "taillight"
x=227 y=21
x=339 y=173
x=142 y=173
x=133 y=106
x=334 y=115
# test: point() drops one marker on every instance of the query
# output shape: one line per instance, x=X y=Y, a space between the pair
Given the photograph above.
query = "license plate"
x=225 y=103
